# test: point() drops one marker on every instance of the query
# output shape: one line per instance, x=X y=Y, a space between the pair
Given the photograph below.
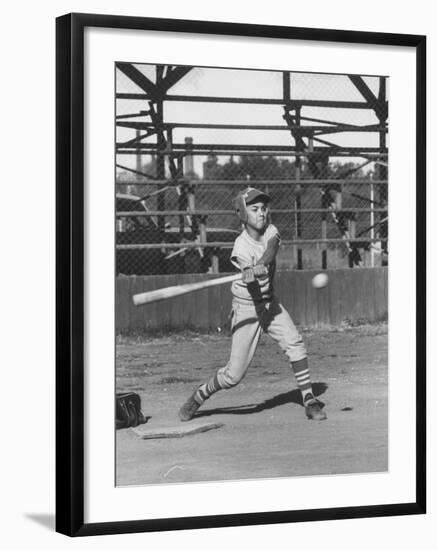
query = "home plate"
x=178 y=430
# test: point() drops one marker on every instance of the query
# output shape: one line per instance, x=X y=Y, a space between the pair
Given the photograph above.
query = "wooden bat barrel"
x=172 y=291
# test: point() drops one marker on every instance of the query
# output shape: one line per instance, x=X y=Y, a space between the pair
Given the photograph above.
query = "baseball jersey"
x=246 y=253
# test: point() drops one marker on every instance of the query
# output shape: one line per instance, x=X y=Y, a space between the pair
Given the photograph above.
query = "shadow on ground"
x=293 y=396
x=46 y=520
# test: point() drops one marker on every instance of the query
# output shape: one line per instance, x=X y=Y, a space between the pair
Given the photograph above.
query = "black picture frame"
x=70 y=273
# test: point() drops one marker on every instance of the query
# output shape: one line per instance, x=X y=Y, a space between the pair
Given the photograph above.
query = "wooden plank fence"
x=352 y=295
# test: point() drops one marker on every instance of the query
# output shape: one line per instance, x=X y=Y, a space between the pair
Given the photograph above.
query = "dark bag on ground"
x=128 y=412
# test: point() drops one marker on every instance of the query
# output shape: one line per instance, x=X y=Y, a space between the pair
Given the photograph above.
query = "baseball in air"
x=320 y=280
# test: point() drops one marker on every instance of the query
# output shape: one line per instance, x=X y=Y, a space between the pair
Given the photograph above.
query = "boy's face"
x=257 y=214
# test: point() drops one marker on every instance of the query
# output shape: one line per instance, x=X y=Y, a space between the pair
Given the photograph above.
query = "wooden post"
x=188 y=171
x=182 y=198
x=215 y=262
x=202 y=234
x=338 y=198
x=286 y=86
x=324 y=245
x=381 y=171
x=372 y=224
x=352 y=228
x=189 y=163
x=298 y=203
x=191 y=199
x=138 y=158
x=160 y=162
x=202 y=230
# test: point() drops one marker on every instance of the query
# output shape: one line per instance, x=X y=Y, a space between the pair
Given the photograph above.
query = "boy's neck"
x=254 y=233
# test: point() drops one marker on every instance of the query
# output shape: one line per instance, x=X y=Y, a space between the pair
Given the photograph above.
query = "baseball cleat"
x=314 y=408
x=188 y=409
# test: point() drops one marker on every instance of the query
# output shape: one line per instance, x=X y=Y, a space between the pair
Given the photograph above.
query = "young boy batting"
x=255 y=308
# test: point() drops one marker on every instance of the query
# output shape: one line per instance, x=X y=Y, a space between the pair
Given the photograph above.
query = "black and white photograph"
x=251 y=279
x=229 y=294
x=216 y=279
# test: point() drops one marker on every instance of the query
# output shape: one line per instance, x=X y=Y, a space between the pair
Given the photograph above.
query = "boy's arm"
x=246 y=270
x=270 y=254
x=250 y=272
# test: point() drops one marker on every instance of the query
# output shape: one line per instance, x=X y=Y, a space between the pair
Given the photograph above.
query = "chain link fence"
x=179 y=169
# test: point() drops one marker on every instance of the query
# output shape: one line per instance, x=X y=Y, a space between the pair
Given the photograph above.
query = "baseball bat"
x=172 y=291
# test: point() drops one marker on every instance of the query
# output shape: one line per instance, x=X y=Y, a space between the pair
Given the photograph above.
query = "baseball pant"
x=247 y=323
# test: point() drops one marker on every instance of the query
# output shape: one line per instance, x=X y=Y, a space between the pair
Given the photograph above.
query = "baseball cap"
x=252 y=195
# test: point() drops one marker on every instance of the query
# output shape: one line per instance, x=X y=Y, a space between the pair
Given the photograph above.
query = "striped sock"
x=206 y=390
x=302 y=374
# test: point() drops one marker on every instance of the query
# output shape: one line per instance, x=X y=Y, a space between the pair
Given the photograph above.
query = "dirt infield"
x=265 y=432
